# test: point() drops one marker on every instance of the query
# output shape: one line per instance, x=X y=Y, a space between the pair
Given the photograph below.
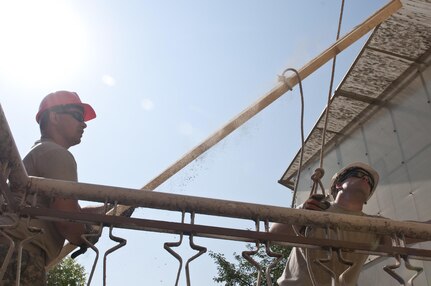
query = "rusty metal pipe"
x=223 y=233
x=9 y=155
x=217 y=207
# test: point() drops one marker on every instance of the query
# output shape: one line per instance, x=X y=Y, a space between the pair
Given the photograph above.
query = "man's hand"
x=317 y=202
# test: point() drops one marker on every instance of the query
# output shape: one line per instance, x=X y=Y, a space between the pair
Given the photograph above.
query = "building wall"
x=396 y=141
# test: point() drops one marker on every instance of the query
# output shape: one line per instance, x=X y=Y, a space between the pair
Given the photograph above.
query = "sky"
x=163 y=76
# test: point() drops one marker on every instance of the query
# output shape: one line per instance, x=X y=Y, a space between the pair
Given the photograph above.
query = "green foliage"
x=67 y=273
x=242 y=272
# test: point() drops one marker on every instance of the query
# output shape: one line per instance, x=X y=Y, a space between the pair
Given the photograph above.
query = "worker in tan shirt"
x=62 y=119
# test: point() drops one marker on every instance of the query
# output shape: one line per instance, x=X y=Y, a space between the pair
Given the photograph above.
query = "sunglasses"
x=359 y=173
x=78 y=116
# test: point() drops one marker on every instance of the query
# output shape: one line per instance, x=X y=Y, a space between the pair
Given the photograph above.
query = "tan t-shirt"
x=297 y=272
x=49 y=160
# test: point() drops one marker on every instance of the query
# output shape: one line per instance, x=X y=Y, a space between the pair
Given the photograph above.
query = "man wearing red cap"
x=62 y=119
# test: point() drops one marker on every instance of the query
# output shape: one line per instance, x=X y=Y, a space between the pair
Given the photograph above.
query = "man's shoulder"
x=47 y=147
x=43 y=152
x=50 y=160
x=47 y=144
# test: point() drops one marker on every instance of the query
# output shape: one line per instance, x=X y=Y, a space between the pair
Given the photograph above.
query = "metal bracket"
x=121 y=242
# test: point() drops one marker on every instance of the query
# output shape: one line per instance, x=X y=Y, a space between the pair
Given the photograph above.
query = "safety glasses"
x=359 y=173
x=79 y=116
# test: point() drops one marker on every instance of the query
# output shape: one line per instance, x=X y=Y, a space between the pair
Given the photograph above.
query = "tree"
x=67 y=273
x=242 y=272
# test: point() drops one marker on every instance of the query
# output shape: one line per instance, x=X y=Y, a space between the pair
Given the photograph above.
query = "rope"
x=319 y=172
x=328 y=104
x=316 y=177
x=284 y=80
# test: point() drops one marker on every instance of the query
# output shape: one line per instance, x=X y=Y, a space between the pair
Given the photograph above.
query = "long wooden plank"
x=340 y=45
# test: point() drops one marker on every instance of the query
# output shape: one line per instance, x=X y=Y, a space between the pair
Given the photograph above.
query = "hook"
x=121 y=242
x=93 y=235
x=270 y=253
x=247 y=255
x=390 y=268
x=320 y=262
x=194 y=246
x=168 y=246
x=418 y=270
x=350 y=264
x=407 y=263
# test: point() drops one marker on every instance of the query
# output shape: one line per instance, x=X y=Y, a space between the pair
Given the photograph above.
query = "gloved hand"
x=316 y=202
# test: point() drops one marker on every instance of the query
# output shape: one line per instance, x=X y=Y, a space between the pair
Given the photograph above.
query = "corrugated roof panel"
x=411 y=24
x=373 y=73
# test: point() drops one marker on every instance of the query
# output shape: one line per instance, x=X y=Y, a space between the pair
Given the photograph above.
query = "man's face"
x=358 y=180
x=362 y=174
x=71 y=125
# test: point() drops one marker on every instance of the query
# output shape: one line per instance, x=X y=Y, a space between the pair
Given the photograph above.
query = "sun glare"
x=41 y=41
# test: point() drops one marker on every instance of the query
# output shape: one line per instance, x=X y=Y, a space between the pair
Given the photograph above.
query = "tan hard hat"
x=356 y=165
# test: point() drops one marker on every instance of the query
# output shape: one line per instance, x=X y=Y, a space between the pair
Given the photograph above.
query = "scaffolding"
x=12 y=169
x=14 y=177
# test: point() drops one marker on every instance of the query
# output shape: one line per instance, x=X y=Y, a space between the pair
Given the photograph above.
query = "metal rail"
x=233 y=209
x=9 y=155
x=221 y=232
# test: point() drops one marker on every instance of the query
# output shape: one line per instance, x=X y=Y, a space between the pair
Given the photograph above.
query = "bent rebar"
x=270 y=253
x=409 y=266
x=121 y=242
x=320 y=262
x=168 y=246
x=87 y=238
x=247 y=255
x=194 y=246
x=390 y=268
x=350 y=264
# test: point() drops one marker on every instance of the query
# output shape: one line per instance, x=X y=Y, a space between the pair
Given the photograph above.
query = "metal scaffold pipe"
x=217 y=207
x=9 y=155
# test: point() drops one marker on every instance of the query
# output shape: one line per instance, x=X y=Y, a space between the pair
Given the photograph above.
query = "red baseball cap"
x=63 y=97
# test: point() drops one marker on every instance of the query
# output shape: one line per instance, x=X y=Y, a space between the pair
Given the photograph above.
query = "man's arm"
x=69 y=230
x=316 y=202
x=282 y=228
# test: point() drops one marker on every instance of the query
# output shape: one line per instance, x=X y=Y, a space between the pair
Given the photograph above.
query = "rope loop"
x=318 y=174
x=282 y=78
x=316 y=177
